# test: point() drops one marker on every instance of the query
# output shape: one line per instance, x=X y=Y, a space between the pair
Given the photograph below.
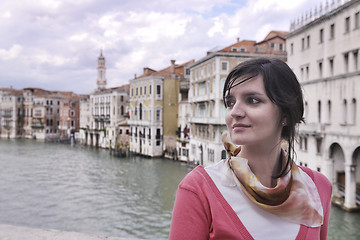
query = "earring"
x=283 y=123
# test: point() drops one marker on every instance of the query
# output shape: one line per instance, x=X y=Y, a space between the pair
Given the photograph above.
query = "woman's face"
x=251 y=117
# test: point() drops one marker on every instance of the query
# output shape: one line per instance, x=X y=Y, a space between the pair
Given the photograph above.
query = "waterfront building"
x=323 y=50
x=207 y=77
x=153 y=110
x=69 y=124
x=108 y=108
x=85 y=118
x=11 y=113
x=183 y=132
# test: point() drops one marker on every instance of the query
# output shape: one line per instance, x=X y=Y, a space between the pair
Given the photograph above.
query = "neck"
x=264 y=163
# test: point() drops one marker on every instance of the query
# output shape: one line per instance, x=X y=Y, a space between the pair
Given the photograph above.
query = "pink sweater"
x=201 y=212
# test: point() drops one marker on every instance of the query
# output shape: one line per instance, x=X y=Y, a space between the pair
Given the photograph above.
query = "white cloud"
x=6 y=14
x=218 y=27
x=78 y=37
x=46 y=58
x=12 y=53
x=51 y=4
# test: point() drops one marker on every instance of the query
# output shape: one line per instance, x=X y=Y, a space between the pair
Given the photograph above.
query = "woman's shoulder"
x=193 y=177
x=197 y=180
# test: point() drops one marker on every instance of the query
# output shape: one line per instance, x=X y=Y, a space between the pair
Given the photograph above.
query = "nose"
x=238 y=110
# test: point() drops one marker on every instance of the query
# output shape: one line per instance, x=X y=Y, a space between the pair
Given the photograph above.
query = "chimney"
x=172 y=69
x=238 y=39
x=135 y=76
x=146 y=70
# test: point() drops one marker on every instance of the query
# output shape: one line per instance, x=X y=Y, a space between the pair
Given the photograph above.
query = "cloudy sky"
x=54 y=44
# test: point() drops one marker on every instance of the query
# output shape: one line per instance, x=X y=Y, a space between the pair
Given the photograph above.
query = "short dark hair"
x=282 y=88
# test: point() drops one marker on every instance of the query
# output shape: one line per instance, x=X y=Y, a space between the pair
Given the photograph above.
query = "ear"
x=283 y=121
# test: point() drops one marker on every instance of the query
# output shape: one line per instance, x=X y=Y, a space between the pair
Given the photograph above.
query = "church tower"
x=101 y=78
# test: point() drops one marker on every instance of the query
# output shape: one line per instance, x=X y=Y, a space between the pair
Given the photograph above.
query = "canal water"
x=49 y=185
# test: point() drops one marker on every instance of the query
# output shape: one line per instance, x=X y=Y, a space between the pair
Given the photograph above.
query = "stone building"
x=323 y=51
x=153 y=110
x=11 y=113
x=108 y=109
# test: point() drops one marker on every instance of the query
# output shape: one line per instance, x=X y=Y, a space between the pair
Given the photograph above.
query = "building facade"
x=323 y=51
x=153 y=111
x=103 y=112
x=11 y=113
x=207 y=77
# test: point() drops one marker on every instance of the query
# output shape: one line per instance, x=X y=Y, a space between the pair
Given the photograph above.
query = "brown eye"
x=230 y=103
x=252 y=100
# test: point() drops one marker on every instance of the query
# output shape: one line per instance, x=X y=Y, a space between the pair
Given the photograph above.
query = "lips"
x=240 y=126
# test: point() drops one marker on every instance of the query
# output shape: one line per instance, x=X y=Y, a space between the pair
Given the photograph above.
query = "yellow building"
x=154 y=110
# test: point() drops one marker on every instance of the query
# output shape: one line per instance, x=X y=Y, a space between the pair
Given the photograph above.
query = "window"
x=158 y=136
x=140 y=111
x=202 y=88
x=318 y=145
x=307 y=72
x=302 y=43
x=344 y=112
x=332 y=31
x=331 y=65
x=281 y=47
x=320 y=69
x=234 y=49
x=352 y=117
x=202 y=110
x=319 y=111
x=140 y=90
x=321 y=35
x=158 y=89
x=242 y=49
x=158 y=113
x=328 y=117
x=357 y=20
x=224 y=66
x=356 y=61
x=121 y=98
x=308 y=41
x=292 y=48
x=272 y=46
x=346 y=62
x=347 y=24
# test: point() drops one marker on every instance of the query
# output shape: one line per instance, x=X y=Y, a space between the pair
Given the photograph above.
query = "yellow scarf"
x=294 y=198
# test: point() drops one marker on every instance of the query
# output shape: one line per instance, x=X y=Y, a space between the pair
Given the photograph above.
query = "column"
x=350 y=186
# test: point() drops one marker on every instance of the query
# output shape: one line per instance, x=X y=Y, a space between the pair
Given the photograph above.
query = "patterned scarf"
x=294 y=198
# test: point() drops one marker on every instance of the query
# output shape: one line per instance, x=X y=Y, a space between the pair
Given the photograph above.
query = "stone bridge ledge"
x=10 y=232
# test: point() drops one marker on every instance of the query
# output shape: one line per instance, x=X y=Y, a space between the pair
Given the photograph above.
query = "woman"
x=258 y=192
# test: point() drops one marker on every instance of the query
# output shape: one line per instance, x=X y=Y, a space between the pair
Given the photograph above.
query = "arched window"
x=344 y=112
x=122 y=110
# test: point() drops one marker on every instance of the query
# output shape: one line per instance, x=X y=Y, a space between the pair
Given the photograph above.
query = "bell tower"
x=101 y=77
